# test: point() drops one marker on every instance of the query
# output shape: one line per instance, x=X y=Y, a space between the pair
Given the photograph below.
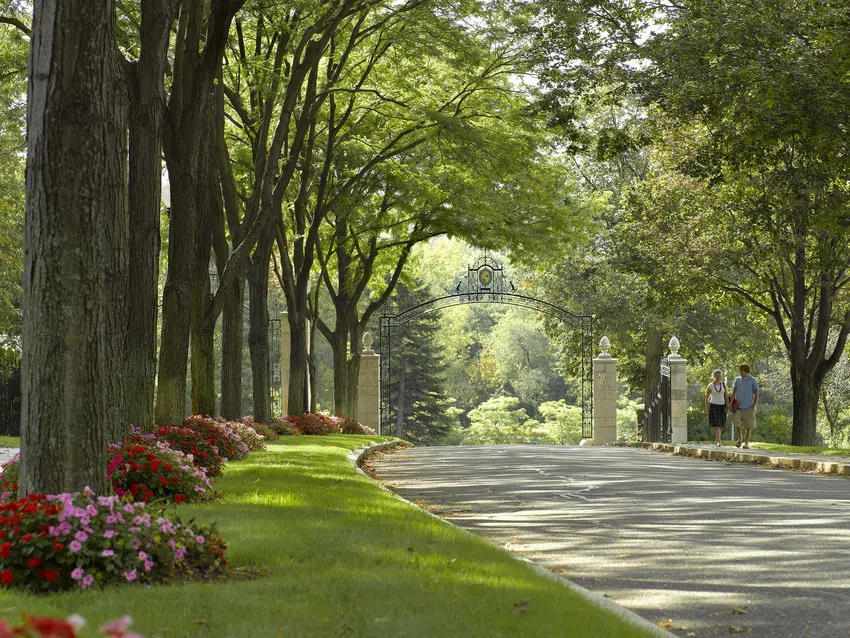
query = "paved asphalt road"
x=717 y=548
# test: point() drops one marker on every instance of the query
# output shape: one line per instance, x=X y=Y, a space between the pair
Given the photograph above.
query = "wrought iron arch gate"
x=485 y=282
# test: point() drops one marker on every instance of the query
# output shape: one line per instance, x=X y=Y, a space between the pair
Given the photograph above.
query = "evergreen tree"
x=417 y=388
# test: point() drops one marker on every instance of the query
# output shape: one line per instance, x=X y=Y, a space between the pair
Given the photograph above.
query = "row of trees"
x=328 y=139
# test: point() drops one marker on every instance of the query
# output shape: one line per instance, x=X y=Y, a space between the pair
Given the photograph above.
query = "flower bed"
x=352 y=426
x=248 y=434
x=283 y=427
x=226 y=440
x=261 y=428
x=74 y=541
x=314 y=423
x=146 y=469
x=189 y=441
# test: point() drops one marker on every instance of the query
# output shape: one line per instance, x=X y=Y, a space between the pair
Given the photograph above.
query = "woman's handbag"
x=733 y=407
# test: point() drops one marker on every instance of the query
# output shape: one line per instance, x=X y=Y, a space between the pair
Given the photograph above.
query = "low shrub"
x=253 y=439
x=261 y=428
x=314 y=423
x=348 y=425
x=75 y=541
x=282 y=427
x=9 y=480
x=224 y=438
x=146 y=469
x=204 y=454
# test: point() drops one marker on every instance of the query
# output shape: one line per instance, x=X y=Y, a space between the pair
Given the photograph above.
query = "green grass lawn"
x=808 y=449
x=10 y=441
x=341 y=557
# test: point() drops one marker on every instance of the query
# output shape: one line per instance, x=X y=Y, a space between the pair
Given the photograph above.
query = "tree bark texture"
x=76 y=260
x=231 y=353
x=147 y=104
x=258 y=329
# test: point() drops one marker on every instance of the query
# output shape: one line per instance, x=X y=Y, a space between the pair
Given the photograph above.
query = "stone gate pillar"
x=604 y=395
x=284 y=363
x=369 y=390
x=678 y=393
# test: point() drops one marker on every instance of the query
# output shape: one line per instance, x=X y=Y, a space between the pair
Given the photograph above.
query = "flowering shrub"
x=283 y=427
x=226 y=440
x=248 y=434
x=348 y=425
x=191 y=442
x=147 y=469
x=261 y=428
x=74 y=541
x=9 y=480
x=314 y=423
x=49 y=627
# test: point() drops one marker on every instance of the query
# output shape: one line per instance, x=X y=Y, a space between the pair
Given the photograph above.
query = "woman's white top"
x=717 y=392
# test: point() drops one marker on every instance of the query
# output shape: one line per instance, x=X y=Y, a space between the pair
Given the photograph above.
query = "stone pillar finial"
x=674 y=347
x=604 y=346
x=367 y=343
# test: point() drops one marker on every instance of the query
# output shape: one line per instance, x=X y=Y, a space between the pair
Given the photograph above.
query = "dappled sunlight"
x=668 y=537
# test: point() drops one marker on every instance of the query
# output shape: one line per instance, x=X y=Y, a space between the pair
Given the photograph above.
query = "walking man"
x=746 y=390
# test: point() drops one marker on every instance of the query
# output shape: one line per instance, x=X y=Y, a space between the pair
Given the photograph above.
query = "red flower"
x=51 y=627
x=26 y=538
x=168 y=467
x=179 y=498
x=163 y=480
x=48 y=574
x=5 y=548
x=58 y=547
x=154 y=465
x=134 y=489
x=33 y=562
x=7 y=577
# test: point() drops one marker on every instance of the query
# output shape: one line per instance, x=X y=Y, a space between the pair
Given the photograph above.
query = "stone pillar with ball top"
x=678 y=393
x=604 y=395
x=369 y=386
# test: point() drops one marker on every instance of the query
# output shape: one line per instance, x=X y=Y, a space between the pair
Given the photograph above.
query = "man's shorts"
x=744 y=418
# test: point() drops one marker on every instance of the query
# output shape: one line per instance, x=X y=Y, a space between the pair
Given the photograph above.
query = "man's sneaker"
x=746 y=446
x=738 y=444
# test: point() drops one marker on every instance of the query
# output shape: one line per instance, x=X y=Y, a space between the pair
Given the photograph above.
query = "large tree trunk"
x=805 y=408
x=77 y=245
x=231 y=353
x=339 y=349
x=147 y=102
x=177 y=299
x=298 y=400
x=258 y=329
x=203 y=334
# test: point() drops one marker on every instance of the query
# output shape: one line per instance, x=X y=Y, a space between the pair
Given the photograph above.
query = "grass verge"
x=341 y=557
x=802 y=449
x=10 y=441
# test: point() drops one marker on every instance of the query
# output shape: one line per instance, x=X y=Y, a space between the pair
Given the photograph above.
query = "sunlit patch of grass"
x=340 y=557
x=10 y=441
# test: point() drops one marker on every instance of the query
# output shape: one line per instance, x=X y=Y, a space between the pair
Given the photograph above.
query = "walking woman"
x=716 y=401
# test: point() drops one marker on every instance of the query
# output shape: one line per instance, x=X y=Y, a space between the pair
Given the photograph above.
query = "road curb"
x=358 y=456
x=808 y=465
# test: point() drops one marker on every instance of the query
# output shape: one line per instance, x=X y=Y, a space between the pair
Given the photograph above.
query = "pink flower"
x=117 y=627
x=78 y=573
x=87 y=581
x=200 y=540
x=130 y=575
x=148 y=565
x=75 y=547
x=109 y=533
x=81 y=536
x=107 y=552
